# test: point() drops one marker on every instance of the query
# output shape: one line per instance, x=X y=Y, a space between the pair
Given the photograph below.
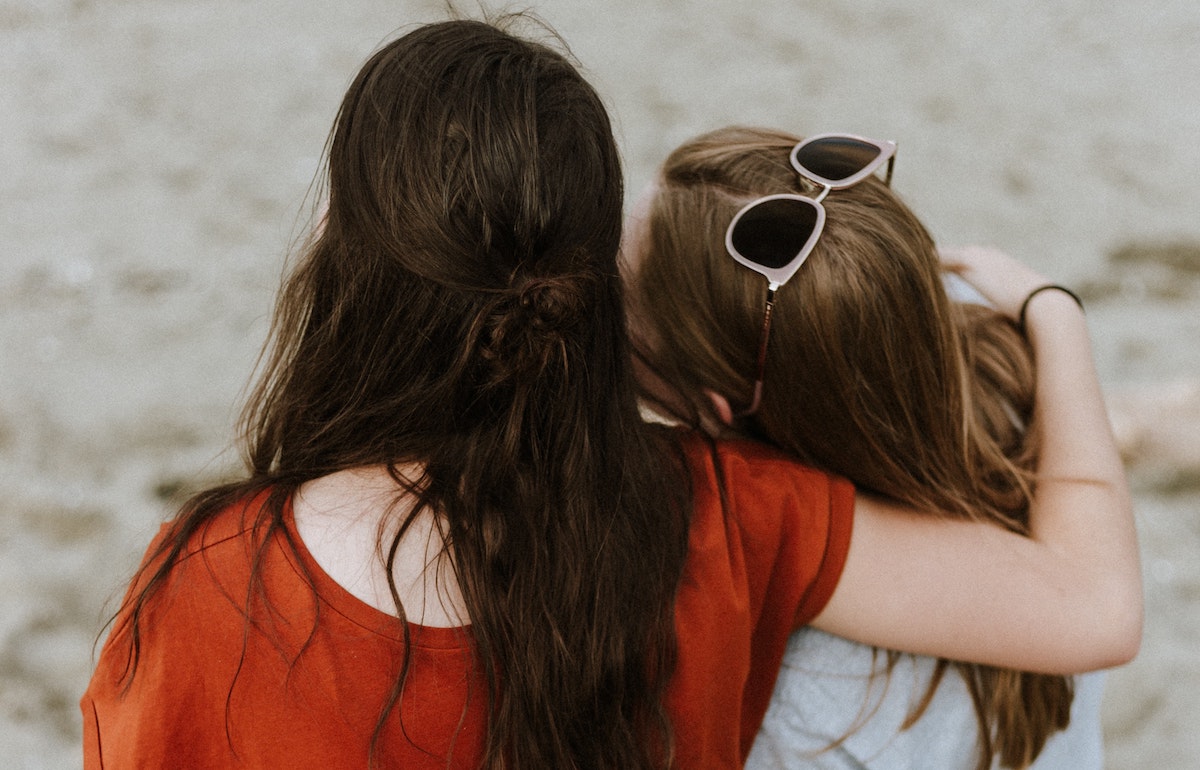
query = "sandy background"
x=154 y=161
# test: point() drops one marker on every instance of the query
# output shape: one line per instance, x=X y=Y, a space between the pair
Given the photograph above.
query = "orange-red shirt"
x=210 y=692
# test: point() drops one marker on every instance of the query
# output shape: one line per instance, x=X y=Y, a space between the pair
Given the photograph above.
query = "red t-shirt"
x=211 y=693
x=759 y=567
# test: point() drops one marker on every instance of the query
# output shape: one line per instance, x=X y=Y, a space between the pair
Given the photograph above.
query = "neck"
x=347 y=521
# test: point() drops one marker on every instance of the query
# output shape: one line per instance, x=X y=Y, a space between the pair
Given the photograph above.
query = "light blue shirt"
x=826 y=690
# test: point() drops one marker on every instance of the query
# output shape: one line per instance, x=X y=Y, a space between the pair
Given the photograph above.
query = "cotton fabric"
x=297 y=674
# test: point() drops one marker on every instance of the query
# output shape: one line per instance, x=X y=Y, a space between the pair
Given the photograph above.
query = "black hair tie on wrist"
x=1039 y=290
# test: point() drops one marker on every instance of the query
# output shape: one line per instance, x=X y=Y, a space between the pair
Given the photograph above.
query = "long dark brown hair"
x=872 y=372
x=461 y=309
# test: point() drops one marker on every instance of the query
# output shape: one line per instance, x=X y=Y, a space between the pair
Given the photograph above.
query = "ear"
x=721 y=406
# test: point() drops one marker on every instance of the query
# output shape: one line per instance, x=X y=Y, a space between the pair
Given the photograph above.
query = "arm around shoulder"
x=971 y=591
x=1066 y=599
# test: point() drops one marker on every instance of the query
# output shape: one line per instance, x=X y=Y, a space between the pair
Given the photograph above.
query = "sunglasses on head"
x=773 y=235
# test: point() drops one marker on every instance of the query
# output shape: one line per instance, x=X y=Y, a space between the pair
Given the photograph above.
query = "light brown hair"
x=872 y=373
x=461 y=309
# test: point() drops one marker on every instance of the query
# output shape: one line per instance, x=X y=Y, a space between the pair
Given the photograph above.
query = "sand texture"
x=154 y=164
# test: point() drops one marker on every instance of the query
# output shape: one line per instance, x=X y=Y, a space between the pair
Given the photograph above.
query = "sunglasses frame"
x=887 y=152
x=778 y=276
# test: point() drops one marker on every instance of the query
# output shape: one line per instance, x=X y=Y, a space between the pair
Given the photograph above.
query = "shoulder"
x=758 y=474
x=772 y=509
x=184 y=603
x=219 y=602
x=198 y=561
x=199 y=585
x=223 y=542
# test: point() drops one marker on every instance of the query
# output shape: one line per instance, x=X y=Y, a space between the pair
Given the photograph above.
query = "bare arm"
x=1066 y=599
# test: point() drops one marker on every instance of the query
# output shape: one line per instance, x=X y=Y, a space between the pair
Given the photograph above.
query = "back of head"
x=461 y=309
x=864 y=375
x=474 y=211
x=871 y=373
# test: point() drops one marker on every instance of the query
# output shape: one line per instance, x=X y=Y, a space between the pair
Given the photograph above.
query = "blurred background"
x=155 y=165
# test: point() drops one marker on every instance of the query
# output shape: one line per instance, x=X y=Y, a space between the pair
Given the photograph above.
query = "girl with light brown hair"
x=859 y=364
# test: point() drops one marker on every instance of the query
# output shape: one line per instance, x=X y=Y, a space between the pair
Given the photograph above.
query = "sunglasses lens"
x=836 y=157
x=774 y=231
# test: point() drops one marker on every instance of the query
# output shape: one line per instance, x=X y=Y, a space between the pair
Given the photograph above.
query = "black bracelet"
x=1039 y=290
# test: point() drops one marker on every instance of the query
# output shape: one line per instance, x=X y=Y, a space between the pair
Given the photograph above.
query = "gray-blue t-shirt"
x=826 y=690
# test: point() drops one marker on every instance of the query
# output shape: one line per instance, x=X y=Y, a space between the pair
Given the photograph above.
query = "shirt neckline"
x=338 y=599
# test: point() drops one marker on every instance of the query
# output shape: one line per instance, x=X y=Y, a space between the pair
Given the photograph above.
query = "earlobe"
x=721 y=406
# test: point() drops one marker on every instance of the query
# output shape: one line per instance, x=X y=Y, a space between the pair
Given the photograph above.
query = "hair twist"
x=528 y=326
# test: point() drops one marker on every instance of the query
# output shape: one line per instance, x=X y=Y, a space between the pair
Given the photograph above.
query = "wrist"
x=1045 y=290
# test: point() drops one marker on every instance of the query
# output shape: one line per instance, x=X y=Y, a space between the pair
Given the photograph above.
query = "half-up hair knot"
x=529 y=325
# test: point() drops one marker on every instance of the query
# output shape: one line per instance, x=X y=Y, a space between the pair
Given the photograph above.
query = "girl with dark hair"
x=866 y=370
x=456 y=543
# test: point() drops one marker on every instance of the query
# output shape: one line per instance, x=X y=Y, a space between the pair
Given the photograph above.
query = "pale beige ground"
x=154 y=158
